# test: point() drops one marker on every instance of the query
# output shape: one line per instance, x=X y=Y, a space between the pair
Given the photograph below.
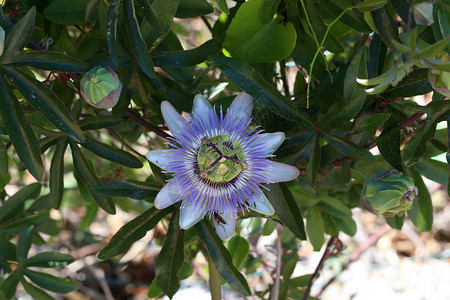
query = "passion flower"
x=101 y=87
x=219 y=166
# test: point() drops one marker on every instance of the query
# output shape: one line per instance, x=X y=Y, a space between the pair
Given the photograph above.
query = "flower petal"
x=225 y=224
x=262 y=206
x=168 y=195
x=174 y=121
x=242 y=106
x=270 y=141
x=191 y=214
x=202 y=107
x=278 y=172
x=161 y=158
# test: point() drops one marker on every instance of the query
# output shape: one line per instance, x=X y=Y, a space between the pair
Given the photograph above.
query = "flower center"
x=219 y=160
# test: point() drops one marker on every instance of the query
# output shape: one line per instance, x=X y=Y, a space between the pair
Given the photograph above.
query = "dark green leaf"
x=154 y=291
x=57 y=173
x=132 y=232
x=268 y=10
x=34 y=292
x=138 y=45
x=111 y=30
x=47 y=60
x=421 y=213
x=284 y=203
x=19 y=36
x=89 y=178
x=127 y=188
x=415 y=83
x=221 y=258
x=193 y=8
x=338 y=175
x=20 y=132
x=335 y=207
x=222 y=4
x=239 y=249
x=349 y=18
x=395 y=222
x=347 y=226
x=66 y=12
x=389 y=144
x=14 y=226
x=385 y=25
x=370 y=5
x=49 y=260
x=9 y=285
x=147 y=10
x=250 y=81
x=46 y=102
x=314 y=159
x=171 y=257
x=24 y=244
x=50 y=282
x=348 y=148
x=372 y=122
x=111 y=153
x=15 y=204
x=315 y=227
x=98 y=122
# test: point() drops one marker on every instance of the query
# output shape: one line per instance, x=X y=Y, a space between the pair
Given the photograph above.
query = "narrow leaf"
x=171 y=257
x=385 y=25
x=348 y=148
x=50 y=282
x=132 y=232
x=314 y=159
x=34 y=292
x=47 y=60
x=389 y=144
x=20 y=132
x=372 y=122
x=127 y=188
x=49 y=260
x=57 y=173
x=421 y=213
x=221 y=258
x=98 y=122
x=315 y=227
x=14 y=205
x=46 y=102
x=111 y=30
x=24 y=244
x=370 y=5
x=9 y=285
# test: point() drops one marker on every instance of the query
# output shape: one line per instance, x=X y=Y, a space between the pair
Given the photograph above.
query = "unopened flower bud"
x=423 y=13
x=101 y=87
x=388 y=195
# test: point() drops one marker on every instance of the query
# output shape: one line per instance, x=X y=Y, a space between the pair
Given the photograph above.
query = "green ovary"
x=225 y=169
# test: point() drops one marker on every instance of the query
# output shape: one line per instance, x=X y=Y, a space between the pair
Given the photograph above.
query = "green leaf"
x=335 y=8
x=335 y=207
x=251 y=40
x=268 y=10
x=57 y=173
x=434 y=49
x=46 y=102
x=88 y=177
x=370 y=5
x=222 y=4
x=415 y=83
x=385 y=25
x=354 y=93
x=421 y=213
x=66 y=12
x=148 y=13
x=348 y=148
x=15 y=204
x=315 y=227
x=98 y=122
x=127 y=188
x=395 y=222
x=239 y=249
x=50 y=282
x=269 y=227
x=187 y=58
x=24 y=244
x=372 y=123
x=284 y=203
x=9 y=285
x=434 y=170
x=221 y=258
x=154 y=291
x=250 y=81
x=133 y=231
x=111 y=30
x=111 y=153
x=314 y=159
x=138 y=45
x=193 y=8
x=14 y=226
x=34 y=292
x=47 y=60
x=19 y=36
x=389 y=144
x=20 y=132
x=347 y=226
x=171 y=257
x=49 y=260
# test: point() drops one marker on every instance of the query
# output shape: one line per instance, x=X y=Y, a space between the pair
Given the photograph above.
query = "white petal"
x=174 y=121
x=262 y=206
x=225 y=224
x=242 y=106
x=168 y=195
x=270 y=140
x=202 y=107
x=278 y=172
x=161 y=158
x=190 y=215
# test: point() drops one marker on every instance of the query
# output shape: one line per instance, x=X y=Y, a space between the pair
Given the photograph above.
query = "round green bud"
x=101 y=87
x=388 y=194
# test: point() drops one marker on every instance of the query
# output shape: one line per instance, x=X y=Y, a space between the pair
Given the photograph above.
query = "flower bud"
x=423 y=13
x=388 y=195
x=101 y=87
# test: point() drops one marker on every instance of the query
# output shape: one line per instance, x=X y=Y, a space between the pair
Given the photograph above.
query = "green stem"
x=319 y=48
x=214 y=282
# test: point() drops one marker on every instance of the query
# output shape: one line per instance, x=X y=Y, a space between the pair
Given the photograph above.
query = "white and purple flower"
x=219 y=166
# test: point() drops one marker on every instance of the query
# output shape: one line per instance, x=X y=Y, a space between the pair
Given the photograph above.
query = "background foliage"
x=337 y=77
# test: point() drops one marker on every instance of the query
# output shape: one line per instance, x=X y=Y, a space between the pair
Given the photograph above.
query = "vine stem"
x=148 y=126
x=125 y=143
x=319 y=50
x=214 y=281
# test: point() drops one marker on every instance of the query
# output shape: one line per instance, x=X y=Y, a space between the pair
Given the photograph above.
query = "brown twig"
x=148 y=126
x=125 y=143
x=411 y=120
